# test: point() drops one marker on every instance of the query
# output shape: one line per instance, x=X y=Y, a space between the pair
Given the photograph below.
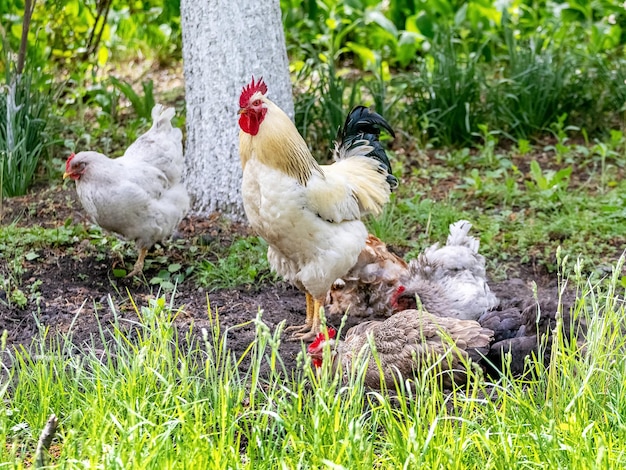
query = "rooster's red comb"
x=320 y=338
x=68 y=162
x=250 y=89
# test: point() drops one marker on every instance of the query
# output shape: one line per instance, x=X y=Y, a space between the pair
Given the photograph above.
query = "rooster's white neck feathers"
x=279 y=145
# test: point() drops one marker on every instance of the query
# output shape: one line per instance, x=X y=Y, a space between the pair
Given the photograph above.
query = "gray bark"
x=225 y=43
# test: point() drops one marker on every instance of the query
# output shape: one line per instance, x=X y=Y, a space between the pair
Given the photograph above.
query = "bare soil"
x=78 y=291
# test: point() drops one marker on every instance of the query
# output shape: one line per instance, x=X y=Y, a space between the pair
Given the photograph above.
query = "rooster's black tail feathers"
x=362 y=127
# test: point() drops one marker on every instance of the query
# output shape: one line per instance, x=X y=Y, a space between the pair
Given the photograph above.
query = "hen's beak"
x=66 y=175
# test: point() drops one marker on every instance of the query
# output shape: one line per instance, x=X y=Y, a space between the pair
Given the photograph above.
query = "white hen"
x=140 y=194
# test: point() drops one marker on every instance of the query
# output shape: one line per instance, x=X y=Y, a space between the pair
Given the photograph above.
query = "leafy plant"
x=532 y=91
x=446 y=90
x=168 y=279
x=549 y=183
x=24 y=116
x=141 y=104
x=88 y=33
x=244 y=263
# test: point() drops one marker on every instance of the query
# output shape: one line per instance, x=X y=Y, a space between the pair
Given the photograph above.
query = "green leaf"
x=537 y=175
x=174 y=267
x=407 y=47
x=103 y=56
x=375 y=16
x=31 y=256
x=366 y=55
x=16 y=30
x=119 y=272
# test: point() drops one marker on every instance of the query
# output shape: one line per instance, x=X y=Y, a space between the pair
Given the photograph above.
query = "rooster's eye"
x=256 y=103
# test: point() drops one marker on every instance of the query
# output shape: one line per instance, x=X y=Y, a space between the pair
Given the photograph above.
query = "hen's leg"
x=309 y=319
x=138 y=268
x=313 y=328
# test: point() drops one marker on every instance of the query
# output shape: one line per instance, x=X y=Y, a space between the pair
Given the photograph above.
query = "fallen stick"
x=45 y=439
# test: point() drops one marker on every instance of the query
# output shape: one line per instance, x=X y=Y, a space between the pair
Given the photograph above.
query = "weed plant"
x=24 y=116
x=446 y=92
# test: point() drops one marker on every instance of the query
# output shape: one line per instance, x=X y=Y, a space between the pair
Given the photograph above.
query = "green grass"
x=157 y=397
x=244 y=262
x=24 y=118
x=19 y=245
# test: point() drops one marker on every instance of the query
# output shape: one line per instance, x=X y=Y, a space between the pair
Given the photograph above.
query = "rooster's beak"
x=242 y=111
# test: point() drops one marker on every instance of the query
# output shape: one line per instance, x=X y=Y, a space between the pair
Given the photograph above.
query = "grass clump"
x=146 y=394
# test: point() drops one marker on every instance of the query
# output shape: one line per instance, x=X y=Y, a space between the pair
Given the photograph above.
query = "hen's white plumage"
x=140 y=194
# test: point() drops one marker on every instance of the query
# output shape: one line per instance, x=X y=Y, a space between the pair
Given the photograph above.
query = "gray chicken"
x=139 y=195
x=449 y=280
x=408 y=344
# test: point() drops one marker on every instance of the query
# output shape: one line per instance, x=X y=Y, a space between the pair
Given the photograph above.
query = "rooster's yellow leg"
x=309 y=317
x=315 y=325
x=138 y=268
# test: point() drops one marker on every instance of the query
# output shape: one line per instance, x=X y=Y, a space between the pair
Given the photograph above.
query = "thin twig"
x=29 y=7
x=45 y=439
x=95 y=25
x=104 y=22
x=95 y=35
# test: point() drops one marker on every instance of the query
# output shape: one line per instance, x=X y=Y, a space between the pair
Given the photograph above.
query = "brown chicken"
x=140 y=194
x=310 y=214
x=407 y=345
x=366 y=289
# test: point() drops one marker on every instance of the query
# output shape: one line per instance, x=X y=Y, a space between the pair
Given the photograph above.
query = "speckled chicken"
x=408 y=344
x=140 y=194
x=450 y=280
x=521 y=324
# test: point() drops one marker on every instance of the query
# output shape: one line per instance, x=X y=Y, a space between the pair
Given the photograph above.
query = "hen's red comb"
x=67 y=163
x=250 y=89
x=394 y=298
x=320 y=338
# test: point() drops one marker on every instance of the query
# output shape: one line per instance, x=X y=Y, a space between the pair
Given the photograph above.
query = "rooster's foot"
x=305 y=336
x=298 y=331
x=133 y=273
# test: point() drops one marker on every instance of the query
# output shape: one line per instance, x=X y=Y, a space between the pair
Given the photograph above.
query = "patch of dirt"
x=76 y=288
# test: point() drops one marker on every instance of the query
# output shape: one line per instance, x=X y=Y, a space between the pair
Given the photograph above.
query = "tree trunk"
x=225 y=43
